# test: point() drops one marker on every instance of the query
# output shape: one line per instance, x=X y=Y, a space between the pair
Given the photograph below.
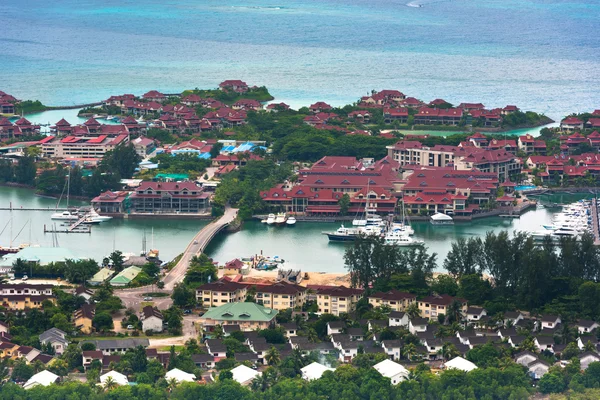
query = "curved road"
x=133 y=297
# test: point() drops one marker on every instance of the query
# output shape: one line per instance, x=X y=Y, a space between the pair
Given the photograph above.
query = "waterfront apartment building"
x=432 y=306
x=110 y=202
x=498 y=161
x=280 y=295
x=81 y=146
x=336 y=300
x=169 y=197
x=396 y=300
x=217 y=293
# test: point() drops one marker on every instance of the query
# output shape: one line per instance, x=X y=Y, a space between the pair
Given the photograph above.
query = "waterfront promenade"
x=133 y=297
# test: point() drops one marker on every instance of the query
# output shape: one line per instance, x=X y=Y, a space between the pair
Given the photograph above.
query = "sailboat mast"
x=11 y=223
x=68 y=186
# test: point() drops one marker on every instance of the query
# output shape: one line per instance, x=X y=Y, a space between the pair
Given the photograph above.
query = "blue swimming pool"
x=525 y=187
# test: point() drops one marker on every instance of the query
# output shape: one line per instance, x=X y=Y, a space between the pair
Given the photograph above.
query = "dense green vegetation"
x=558 y=280
x=522 y=119
x=260 y=94
x=188 y=164
x=241 y=188
x=29 y=106
x=74 y=271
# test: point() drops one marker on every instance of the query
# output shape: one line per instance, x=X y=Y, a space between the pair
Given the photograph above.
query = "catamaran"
x=65 y=215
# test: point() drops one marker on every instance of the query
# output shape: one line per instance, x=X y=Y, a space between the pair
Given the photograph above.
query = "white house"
x=179 y=376
x=461 y=364
x=586 y=326
x=334 y=327
x=290 y=328
x=392 y=348
x=583 y=340
x=537 y=368
x=525 y=358
x=117 y=377
x=585 y=359
x=396 y=372
x=512 y=317
x=56 y=338
x=216 y=348
x=549 y=321
x=398 y=318
x=44 y=378
x=244 y=375
x=418 y=325
x=544 y=343
x=84 y=292
x=314 y=371
x=152 y=319
x=474 y=314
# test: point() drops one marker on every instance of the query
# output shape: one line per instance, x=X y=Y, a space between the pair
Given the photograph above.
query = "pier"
x=70 y=229
x=11 y=208
x=595 y=230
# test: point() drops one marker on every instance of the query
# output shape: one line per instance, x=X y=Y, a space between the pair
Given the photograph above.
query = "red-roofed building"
x=438 y=116
x=169 y=197
x=471 y=106
x=571 y=124
x=478 y=139
x=594 y=139
x=509 y=110
x=485 y=117
x=395 y=114
x=191 y=100
x=319 y=107
x=360 y=116
x=593 y=123
x=110 y=202
x=508 y=145
x=383 y=97
x=234 y=86
x=247 y=104
x=118 y=100
x=274 y=107
x=224 y=170
x=437 y=102
x=154 y=95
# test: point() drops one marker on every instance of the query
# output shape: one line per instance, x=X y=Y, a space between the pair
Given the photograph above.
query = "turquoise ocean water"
x=539 y=54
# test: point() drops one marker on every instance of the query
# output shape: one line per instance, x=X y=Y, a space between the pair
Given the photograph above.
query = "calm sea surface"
x=302 y=246
x=540 y=54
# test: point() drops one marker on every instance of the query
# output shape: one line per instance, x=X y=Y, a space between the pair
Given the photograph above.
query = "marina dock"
x=70 y=229
x=595 y=230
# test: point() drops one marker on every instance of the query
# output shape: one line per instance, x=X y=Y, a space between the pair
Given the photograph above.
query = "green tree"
x=102 y=322
x=122 y=160
x=272 y=357
x=183 y=296
x=344 y=203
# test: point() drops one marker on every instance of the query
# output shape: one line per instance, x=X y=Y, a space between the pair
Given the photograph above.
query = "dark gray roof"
x=545 y=339
x=517 y=339
x=289 y=326
x=475 y=310
x=524 y=353
x=216 y=346
x=508 y=332
x=231 y=328
x=336 y=324
x=588 y=354
x=389 y=344
x=355 y=332
x=549 y=318
x=419 y=321
x=538 y=361
x=119 y=343
x=396 y=314
x=261 y=346
x=586 y=323
x=298 y=339
x=379 y=322
x=478 y=340
x=308 y=346
x=202 y=358
x=511 y=314
x=245 y=357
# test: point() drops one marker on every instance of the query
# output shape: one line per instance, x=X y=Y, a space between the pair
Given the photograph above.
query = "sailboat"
x=65 y=215
x=12 y=249
x=404 y=225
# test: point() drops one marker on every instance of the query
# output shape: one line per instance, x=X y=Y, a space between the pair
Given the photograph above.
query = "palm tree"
x=454 y=313
x=312 y=336
x=272 y=357
x=448 y=351
x=172 y=384
x=413 y=311
x=409 y=351
x=110 y=384
x=260 y=383
x=566 y=333
x=218 y=332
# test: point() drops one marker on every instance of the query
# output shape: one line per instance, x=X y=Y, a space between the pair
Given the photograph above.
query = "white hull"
x=291 y=221
x=64 y=216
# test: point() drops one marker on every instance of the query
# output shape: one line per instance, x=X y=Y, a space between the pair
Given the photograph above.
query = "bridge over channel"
x=132 y=297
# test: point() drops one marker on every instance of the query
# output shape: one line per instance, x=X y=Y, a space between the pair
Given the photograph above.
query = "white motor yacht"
x=97 y=217
x=342 y=234
x=64 y=216
x=291 y=221
x=398 y=238
x=441 y=219
x=270 y=219
x=401 y=227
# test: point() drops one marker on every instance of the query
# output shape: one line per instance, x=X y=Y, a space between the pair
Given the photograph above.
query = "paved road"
x=189 y=332
x=132 y=298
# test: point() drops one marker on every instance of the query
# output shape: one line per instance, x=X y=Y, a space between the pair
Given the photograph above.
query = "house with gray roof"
x=108 y=347
x=56 y=338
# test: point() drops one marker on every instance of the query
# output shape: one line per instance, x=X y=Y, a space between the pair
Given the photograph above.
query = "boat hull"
x=340 y=238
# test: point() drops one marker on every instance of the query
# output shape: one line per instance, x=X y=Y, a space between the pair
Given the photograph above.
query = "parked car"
x=147 y=298
x=129 y=327
x=187 y=311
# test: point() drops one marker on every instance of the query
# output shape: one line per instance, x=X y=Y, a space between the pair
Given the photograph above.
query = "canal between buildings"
x=302 y=246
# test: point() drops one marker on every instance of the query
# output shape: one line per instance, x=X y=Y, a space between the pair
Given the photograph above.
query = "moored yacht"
x=398 y=238
x=291 y=221
x=64 y=216
x=270 y=219
x=280 y=219
x=342 y=234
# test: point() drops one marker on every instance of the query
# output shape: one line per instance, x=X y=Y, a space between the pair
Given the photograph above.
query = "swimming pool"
x=525 y=187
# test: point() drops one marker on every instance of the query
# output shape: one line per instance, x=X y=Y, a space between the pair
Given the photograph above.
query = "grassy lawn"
x=178 y=348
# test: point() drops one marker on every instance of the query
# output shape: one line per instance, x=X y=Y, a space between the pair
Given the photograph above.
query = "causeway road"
x=197 y=246
x=132 y=298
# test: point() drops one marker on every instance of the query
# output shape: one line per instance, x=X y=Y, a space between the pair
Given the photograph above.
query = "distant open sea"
x=542 y=55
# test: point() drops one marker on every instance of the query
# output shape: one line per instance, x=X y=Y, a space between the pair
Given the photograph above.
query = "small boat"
x=99 y=116
x=342 y=234
x=263 y=221
x=91 y=221
x=359 y=222
x=11 y=250
x=441 y=219
x=140 y=120
x=64 y=216
x=280 y=218
x=291 y=221
x=110 y=117
x=270 y=219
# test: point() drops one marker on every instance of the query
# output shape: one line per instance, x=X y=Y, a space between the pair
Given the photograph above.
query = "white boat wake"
x=421 y=3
